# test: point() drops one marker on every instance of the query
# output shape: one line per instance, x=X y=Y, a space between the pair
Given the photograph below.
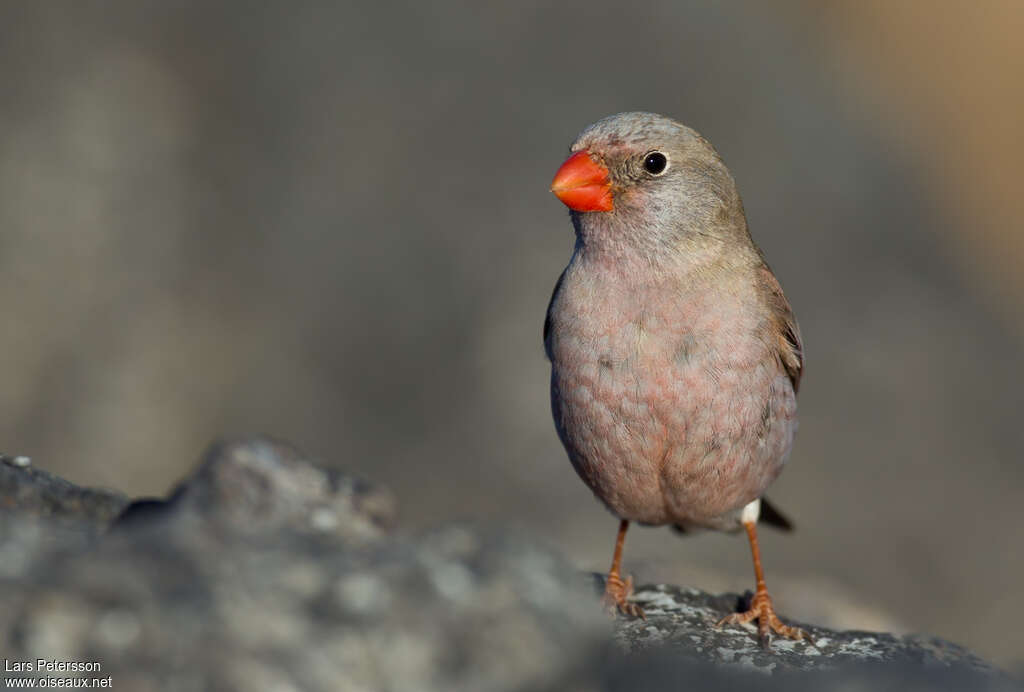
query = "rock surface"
x=684 y=619
x=265 y=571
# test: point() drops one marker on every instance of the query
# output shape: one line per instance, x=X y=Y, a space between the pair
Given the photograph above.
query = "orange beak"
x=582 y=184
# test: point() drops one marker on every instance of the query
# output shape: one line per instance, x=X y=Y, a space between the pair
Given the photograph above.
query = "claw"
x=761 y=604
x=616 y=597
x=768 y=622
x=616 y=591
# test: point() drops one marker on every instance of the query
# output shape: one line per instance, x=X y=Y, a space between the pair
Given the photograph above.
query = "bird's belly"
x=681 y=434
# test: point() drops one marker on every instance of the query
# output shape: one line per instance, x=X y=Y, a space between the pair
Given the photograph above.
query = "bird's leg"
x=617 y=591
x=761 y=604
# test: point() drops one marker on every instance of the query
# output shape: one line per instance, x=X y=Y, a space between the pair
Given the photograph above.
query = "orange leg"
x=617 y=591
x=761 y=604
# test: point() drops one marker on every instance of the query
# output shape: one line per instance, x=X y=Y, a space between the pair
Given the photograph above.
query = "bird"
x=675 y=356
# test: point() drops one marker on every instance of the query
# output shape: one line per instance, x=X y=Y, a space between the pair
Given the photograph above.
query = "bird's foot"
x=616 y=597
x=768 y=622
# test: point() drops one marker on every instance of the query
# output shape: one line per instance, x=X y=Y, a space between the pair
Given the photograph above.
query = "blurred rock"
x=239 y=580
x=28 y=491
x=262 y=485
x=266 y=571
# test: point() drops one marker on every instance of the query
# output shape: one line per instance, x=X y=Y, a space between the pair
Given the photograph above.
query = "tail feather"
x=771 y=515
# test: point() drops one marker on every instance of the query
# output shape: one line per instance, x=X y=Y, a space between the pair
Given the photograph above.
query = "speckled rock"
x=678 y=647
x=685 y=619
x=662 y=668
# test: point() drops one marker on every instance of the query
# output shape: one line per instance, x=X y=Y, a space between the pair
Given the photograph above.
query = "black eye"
x=655 y=162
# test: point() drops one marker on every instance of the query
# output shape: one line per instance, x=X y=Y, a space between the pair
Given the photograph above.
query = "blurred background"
x=331 y=223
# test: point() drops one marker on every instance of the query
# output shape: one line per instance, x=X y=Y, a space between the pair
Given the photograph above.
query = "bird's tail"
x=771 y=515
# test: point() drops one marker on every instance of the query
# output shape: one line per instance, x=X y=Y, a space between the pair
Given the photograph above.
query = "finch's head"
x=649 y=176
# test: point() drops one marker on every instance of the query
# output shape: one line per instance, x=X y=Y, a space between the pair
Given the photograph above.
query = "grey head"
x=669 y=189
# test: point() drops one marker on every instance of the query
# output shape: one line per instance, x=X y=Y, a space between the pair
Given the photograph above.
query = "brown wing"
x=789 y=345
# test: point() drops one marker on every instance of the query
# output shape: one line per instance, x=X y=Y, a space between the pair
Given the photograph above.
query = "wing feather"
x=788 y=342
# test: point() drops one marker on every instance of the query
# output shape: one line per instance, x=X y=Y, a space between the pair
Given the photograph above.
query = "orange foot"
x=616 y=597
x=767 y=621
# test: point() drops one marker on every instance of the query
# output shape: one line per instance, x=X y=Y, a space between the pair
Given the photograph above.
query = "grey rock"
x=264 y=571
x=664 y=669
x=685 y=619
x=238 y=581
x=28 y=491
x=41 y=513
x=453 y=610
x=680 y=636
x=259 y=485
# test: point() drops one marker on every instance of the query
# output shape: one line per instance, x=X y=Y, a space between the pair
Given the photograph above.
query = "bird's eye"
x=655 y=163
